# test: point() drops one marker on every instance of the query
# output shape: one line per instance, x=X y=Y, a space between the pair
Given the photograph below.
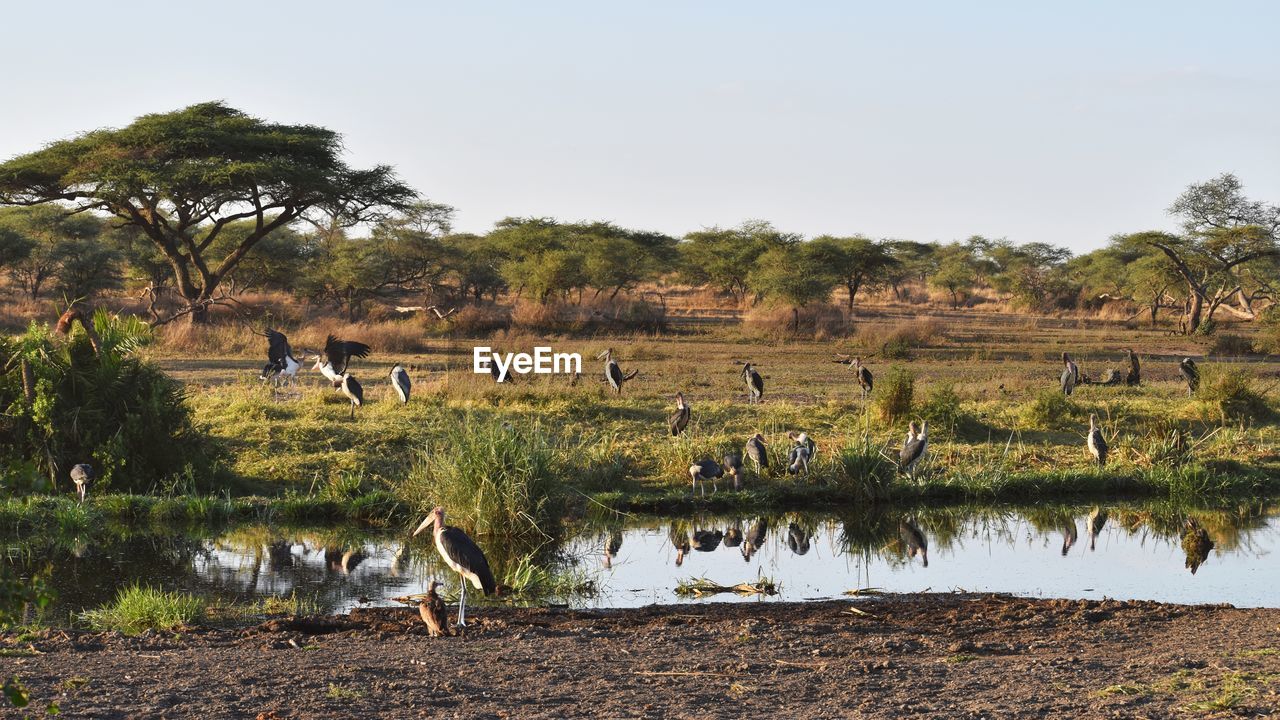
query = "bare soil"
x=897 y=656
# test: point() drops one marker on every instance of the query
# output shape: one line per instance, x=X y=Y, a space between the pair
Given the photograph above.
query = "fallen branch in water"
x=702 y=587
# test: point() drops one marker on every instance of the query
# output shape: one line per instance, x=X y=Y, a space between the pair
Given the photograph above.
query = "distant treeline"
x=206 y=203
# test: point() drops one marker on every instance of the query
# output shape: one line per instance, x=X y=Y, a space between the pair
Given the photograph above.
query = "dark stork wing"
x=910 y=452
x=277 y=347
x=615 y=374
x=356 y=390
x=865 y=376
x=757 y=382
x=339 y=352
x=463 y=551
x=1190 y=373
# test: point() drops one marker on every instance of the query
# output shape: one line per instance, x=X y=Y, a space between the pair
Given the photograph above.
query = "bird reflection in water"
x=755 y=538
x=798 y=539
x=1069 y=536
x=1196 y=544
x=679 y=537
x=611 y=548
x=914 y=541
x=1097 y=519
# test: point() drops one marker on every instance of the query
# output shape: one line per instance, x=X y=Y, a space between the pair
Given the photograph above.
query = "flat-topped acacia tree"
x=184 y=176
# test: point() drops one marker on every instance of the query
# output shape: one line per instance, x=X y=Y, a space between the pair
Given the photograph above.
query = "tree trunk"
x=199 y=314
x=1194 y=311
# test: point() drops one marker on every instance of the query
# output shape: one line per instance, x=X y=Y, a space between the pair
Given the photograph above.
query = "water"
x=1138 y=554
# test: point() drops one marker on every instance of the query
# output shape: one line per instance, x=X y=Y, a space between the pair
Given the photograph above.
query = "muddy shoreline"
x=945 y=655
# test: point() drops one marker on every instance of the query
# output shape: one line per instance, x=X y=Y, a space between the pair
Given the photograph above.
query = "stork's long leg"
x=462 y=604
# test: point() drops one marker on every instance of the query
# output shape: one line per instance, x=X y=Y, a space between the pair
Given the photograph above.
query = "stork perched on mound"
x=461 y=554
x=332 y=363
x=612 y=373
x=281 y=364
x=1189 y=372
x=679 y=420
x=1070 y=374
x=755 y=383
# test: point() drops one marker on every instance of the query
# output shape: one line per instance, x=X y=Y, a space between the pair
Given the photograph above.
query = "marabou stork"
x=281 y=364
x=1187 y=368
x=82 y=476
x=1069 y=535
x=611 y=547
x=733 y=534
x=1097 y=519
x=755 y=383
x=431 y=610
x=1097 y=444
x=914 y=449
x=332 y=363
x=1070 y=374
x=865 y=381
x=733 y=468
x=613 y=373
x=462 y=555
x=354 y=392
x=801 y=438
x=1134 y=377
x=704 y=470
x=400 y=381
x=707 y=540
x=755 y=538
x=758 y=453
x=914 y=541
x=802 y=448
x=798 y=539
x=680 y=419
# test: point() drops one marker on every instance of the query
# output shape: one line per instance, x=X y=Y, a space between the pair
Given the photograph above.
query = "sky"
x=1053 y=122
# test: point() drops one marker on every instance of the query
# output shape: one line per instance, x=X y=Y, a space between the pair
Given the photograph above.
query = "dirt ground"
x=898 y=656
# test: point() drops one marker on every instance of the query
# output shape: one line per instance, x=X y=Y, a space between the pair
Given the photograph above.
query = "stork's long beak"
x=431 y=519
x=602 y=355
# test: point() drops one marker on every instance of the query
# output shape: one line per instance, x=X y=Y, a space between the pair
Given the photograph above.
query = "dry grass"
x=814 y=322
x=899 y=340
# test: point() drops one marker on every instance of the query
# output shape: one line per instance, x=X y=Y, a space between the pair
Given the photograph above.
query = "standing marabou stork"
x=332 y=363
x=1097 y=519
x=758 y=452
x=281 y=364
x=613 y=373
x=913 y=449
x=913 y=539
x=1187 y=368
x=755 y=383
x=863 y=375
x=1070 y=374
x=733 y=468
x=354 y=392
x=680 y=419
x=802 y=451
x=1097 y=444
x=1134 y=376
x=463 y=555
x=400 y=381
x=703 y=470
x=431 y=610
x=82 y=476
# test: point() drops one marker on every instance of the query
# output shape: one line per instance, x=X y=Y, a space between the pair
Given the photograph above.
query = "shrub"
x=616 y=316
x=18 y=594
x=108 y=408
x=491 y=478
x=895 y=395
x=138 y=608
x=818 y=321
x=862 y=470
x=943 y=410
x=480 y=320
x=897 y=341
x=1227 y=394
x=1230 y=345
x=1049 y=410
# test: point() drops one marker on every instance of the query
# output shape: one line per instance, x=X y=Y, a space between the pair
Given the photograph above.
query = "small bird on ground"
x=431 y=609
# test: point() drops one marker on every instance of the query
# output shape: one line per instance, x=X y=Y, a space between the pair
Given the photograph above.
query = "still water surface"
x=1137 y=553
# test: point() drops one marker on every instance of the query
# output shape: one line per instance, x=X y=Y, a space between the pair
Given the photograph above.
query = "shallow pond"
x=1137 y=552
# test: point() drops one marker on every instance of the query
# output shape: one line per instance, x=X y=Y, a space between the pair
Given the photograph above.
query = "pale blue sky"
x=923 y=120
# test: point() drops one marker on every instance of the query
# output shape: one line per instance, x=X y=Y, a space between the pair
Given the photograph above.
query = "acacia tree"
x=955 y=272
x=795 y=276
x=725 y=258
x=46 y=244
x=1223 y=232
x=183 y=177
x=856 y=261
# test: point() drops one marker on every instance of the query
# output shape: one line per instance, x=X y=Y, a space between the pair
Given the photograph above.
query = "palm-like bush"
x=63 y=403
